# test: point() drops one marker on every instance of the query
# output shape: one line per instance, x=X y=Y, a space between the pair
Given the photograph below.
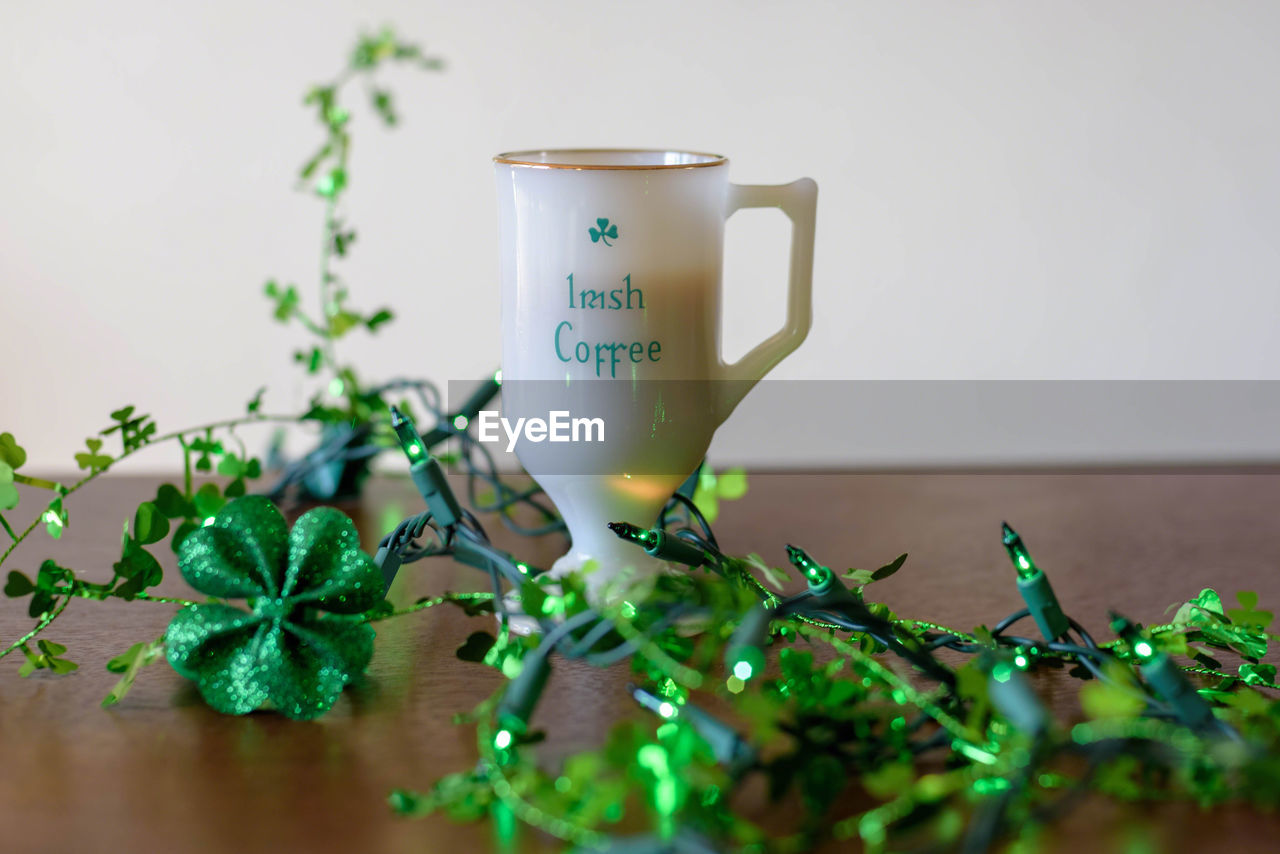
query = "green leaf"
x=532 y=597
x=172 y=503
x=92 y=460
x=139 y=566
x=286 y=303
x=208 y=500
x=11 y=452
x=8 y=492
x=731 y=484
x=332 y=183
x=343 y=322
x=1202 y=610
x=129 y=663
x=1248 y=614
x=309 y=168
x=61 y=666
x=858 y=577
x=380 y=317
x=890 y=779
x=476 y=646
x=1258 y=674
x=55 y=518
x=889 y=568
x=1110 y=700
x=382 y=104
x=18 y=585
x=773 y=576
x=48 y=647
x=255 y=402
x=149 y=524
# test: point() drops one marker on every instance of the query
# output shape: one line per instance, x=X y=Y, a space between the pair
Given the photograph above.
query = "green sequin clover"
x=295 y=649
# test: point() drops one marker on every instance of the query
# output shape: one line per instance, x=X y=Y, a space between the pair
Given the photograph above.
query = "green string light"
x=408 y=436
x=1018 y=553
x=818 y=576
x=1034 y=586
x=660 y=544
x=634 y=534
x=1164 y=675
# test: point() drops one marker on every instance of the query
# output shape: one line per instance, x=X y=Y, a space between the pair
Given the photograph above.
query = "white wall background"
x=1009 y=189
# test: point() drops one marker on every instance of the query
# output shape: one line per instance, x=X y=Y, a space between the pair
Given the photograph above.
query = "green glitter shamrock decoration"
x=294 y=649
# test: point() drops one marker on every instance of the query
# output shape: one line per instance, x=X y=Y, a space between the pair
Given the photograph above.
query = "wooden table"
x=161 y=772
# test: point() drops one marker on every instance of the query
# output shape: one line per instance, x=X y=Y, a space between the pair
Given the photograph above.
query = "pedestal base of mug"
x=606 y=583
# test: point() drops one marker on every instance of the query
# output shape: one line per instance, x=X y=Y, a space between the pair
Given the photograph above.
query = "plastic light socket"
x=1042 y=602
x=1011 y=693
x=1166 y=678
x=727 y=746
x=523 y=693
x=675 y=549
x=428 y=478
x=748 y=641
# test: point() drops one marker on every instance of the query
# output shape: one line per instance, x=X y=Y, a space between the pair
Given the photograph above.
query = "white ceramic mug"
x=611 y=280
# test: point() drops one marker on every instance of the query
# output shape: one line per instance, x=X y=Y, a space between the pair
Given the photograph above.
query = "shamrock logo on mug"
x=604 y=232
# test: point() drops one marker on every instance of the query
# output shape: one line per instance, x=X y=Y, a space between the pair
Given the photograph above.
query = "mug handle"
x=799 y=201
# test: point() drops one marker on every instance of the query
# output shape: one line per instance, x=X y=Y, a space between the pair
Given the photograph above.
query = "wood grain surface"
x=161 y=772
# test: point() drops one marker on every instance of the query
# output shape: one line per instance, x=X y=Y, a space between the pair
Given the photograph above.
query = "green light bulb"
x=634 y=534
x=815 y=573
x=1131 y=632
x=1018 y=553
x=502 y=739
x=410 y=441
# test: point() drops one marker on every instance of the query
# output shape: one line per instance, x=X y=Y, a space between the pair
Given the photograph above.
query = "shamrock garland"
x=297 y=647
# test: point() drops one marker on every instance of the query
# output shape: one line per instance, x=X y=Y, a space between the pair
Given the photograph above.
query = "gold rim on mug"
x=564 y=158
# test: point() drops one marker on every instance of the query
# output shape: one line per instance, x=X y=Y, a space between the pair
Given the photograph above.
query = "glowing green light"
x=627 y=609
x=734 y=685
x=497 y=376
x=977 y=754
x=743 y=670
x=407 y=434
x=1002 y=672
x=523 y=567
x=52 y=518
x=815 y=573
x=653 y=757
x=634 y=534
x=460 y=422
x=990 y=785
x=335 y=387
x=563 y=784
x=209 y=520
x=667 y=710
x=1021 y=661
x=1018 y=553
x=1132 y=634
x=502 y=740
